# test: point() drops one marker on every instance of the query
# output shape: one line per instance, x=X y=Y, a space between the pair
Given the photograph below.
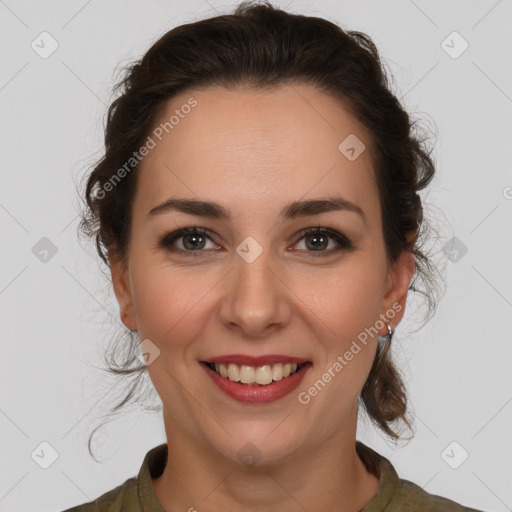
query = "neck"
x=326 y=477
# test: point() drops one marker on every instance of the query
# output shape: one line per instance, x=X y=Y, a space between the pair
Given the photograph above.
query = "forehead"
x=242 y=146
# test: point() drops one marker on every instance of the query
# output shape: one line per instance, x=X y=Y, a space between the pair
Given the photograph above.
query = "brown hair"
x=260 y=46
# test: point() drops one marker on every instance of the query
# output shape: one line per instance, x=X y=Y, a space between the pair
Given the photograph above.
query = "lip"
x=258 y=394
x=241 y=359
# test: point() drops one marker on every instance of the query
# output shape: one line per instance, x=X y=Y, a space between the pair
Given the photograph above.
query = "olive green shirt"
x=394 y=494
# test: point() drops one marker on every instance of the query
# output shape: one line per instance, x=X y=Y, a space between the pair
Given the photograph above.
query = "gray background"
x=57 y=315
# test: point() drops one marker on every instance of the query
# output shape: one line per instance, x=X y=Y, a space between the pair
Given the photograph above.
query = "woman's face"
x=253 y=284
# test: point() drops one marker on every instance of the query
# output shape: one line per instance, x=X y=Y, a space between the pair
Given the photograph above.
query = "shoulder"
x=411 y=497
x=121 y=499
x=398 y=494
x=134 y=494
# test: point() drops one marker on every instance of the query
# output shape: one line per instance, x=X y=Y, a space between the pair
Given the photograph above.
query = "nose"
x=256 y=297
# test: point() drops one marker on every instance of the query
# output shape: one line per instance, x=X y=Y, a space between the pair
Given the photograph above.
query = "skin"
x=254 y=152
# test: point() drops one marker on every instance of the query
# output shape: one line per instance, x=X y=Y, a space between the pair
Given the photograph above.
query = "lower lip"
x=257 y=393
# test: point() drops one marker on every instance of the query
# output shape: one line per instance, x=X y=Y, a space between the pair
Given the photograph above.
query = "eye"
x=192 y=240
x=320 y=239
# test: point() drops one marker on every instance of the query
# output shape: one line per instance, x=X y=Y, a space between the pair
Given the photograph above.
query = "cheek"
x=346 y=299
x=175 y=302
x=347 y=303
x=168 y=303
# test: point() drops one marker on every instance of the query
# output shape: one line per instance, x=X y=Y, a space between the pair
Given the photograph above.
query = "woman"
x=258 y=208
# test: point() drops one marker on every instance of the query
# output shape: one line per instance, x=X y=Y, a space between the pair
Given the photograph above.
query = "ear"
x=122 y=290
x=397 y=285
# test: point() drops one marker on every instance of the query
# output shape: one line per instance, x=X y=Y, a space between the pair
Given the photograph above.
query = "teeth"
x=261 y=375
x=233 y=372
x=277 y=372
x=247 y=375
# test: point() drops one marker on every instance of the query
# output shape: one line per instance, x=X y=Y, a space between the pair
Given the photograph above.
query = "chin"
x=260 y=449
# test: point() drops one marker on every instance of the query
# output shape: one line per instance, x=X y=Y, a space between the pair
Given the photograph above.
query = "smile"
x=256 y=381
x=261 y=375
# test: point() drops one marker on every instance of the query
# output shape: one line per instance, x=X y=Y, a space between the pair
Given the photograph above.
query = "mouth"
x=260 y=375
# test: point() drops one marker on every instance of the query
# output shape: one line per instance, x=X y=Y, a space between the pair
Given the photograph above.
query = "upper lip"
x=245 y=360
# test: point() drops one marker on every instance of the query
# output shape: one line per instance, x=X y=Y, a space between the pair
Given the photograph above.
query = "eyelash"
x=343 y=242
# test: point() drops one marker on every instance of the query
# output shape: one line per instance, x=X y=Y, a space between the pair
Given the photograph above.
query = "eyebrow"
x=293 y=210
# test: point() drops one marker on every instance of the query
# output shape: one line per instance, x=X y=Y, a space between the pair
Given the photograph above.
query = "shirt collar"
x=383 y=469
x=152 y=467
x=156 y=460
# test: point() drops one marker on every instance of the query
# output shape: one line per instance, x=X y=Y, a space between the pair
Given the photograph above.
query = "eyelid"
x=166 y=241
x=342 y=241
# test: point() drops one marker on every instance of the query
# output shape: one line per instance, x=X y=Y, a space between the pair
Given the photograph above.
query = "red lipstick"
x=255 y=361
x=256 y=393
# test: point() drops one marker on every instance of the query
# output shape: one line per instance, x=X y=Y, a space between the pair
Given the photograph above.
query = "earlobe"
x=122 y=290
x=399 y=280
